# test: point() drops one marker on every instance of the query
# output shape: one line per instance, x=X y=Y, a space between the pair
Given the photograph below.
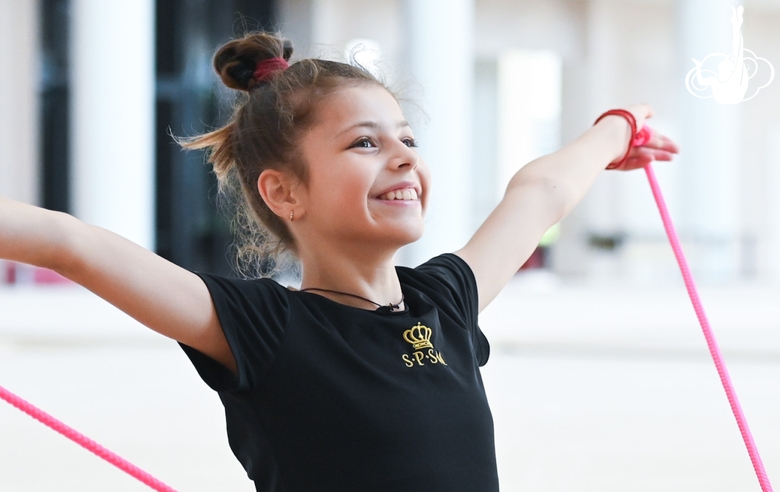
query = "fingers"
x=637 y=161
x=660 y=142
x=642 y=156
x=664 y=143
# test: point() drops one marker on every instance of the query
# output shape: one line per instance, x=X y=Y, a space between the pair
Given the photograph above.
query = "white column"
x=599 y=212
x=769 y=254
x=710 y=143
x=112 y=77
x=19 y=99
x=440 y=56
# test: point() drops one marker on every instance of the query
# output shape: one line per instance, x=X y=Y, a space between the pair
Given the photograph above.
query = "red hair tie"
x=266 y=68
x=637 y=137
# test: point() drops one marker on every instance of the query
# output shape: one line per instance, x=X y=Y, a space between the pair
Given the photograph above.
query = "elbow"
x=67 y=245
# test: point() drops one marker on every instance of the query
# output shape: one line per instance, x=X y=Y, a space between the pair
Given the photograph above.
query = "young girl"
x=366 y=379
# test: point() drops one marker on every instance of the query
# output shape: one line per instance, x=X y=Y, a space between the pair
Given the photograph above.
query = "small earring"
x=292 y=212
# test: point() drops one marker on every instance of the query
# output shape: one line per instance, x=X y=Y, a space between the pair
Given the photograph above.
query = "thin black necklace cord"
x=389 y=306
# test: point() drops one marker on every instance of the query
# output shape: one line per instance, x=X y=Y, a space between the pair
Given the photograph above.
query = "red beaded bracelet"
x=631 y=121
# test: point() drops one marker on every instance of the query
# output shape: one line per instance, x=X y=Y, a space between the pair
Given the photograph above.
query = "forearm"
x=34 y=235
x=154 y=291
x=546 y=190
x=569 y=173
x=98 y=259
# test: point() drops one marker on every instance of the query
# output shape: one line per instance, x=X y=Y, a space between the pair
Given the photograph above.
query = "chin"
x=400 y=238
x=413 y=236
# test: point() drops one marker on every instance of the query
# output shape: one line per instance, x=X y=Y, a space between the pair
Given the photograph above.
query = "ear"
x=281 y=192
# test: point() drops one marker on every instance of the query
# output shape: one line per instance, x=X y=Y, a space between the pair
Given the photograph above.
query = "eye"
x=363 y=143
x=409 y=142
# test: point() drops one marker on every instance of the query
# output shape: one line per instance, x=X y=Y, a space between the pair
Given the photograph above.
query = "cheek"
x=340 y=192
x=425 y=180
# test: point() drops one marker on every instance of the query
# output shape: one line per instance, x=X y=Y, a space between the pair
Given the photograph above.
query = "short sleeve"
x=253 y=315
x=456 y=276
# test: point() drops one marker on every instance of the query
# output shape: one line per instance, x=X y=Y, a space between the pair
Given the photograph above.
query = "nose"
x=404 y=157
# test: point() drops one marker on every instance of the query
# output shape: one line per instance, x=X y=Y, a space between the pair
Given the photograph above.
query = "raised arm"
x=544 y=191
x=154 y=291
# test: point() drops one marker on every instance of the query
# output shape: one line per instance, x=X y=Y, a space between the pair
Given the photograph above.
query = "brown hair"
x=263 y=133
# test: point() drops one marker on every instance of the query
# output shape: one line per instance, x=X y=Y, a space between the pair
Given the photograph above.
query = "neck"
x=369 y=275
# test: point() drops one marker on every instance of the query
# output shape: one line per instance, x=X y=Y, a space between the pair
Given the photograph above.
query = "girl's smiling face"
x=366 y=182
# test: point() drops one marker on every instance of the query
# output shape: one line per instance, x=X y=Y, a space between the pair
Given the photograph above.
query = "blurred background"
x=599 y=378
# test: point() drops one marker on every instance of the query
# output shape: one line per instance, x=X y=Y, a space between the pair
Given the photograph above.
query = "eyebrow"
x=373 y=125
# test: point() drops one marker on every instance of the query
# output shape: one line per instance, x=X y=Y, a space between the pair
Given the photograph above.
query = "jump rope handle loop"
x=643 y=136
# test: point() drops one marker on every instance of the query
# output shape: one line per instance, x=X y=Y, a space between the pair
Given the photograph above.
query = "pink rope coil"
x=83 y=441
x=712 y=344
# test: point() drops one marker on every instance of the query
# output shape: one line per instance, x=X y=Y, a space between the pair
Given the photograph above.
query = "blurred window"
x=190 y=100
x=55 y=99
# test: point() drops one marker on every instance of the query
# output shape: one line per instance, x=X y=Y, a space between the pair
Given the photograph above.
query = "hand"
x=658 y=148
x=642 y=112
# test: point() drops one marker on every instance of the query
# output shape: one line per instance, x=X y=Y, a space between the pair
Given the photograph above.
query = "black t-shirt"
x=330 y=397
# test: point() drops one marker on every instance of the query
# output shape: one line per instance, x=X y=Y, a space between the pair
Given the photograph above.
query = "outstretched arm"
x=545 y=191
x=154 y=291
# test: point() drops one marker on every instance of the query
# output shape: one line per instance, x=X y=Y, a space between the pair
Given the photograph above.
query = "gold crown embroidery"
x=419 y=336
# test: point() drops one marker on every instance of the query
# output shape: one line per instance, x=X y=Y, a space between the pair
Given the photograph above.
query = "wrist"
x=621 y=133
x=620 y=128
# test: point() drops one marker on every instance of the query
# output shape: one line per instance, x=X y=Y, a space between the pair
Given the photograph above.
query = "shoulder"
x=445 y=271
x=246 y=287
x=446 y=279
x=247 y=300
x=253 y=315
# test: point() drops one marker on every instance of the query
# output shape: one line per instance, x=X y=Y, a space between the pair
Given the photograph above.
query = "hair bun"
x=237 y=60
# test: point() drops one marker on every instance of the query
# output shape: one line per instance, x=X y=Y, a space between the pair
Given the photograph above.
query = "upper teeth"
x=406 y=194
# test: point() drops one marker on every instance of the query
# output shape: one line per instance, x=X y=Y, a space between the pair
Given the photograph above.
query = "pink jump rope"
x=712 y=344
x=640 y=138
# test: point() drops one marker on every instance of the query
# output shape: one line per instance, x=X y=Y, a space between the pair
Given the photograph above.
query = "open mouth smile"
x=406 y=194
